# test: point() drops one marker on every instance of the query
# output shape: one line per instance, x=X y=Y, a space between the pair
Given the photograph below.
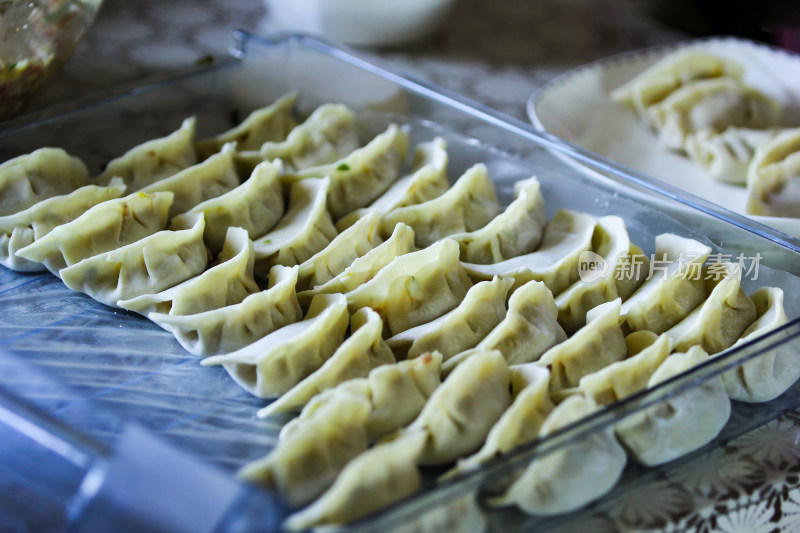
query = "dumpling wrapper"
x=41 y=174
x=415 y=288
x=231 y=328
x=155 y=159
x=675 y=288
x=302 y=465
x=468 y=205
x=274 y=364
x=380 y=476
x=672 y=72
x=520 y=423
x=596 y=345
x=396 y=393
x=528 y=330
x=572 y=476
x=362 y=176
x=346 y=247
x=462 y=411
x=198 y=183
x=21 y=229
x=555 y=262
x=149 y=265
x=363 y=351
x=719 y=322
x=364 y=268
x=768 y=375
x=679 y=424
x=256 y=205
x=428 y=180
x=714 y=104
x=515 y=231
x=304 y=230
x=773 y=178
x=226 y=283
x=483 y=308
x=102 y=228
x=623 y=378
x=615 y=253
x=270 y=123
x=328 y=135
x=727 y=155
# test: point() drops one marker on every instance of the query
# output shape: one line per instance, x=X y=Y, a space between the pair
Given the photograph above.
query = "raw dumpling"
x=256 y=205
x=515 y=231
x=20 y=229
x=104 y=227
x=415 y=288
x=556 y=261
x=679 y=424
x=726 y=156
x=306 y=462
x=396 y=393
x=428 y=179
x=468 y=205
x=721 y=319
x=613 y=278
x=228 y=282
x=271 y=123
x=304 y=230
x=274 y=364
x=767 y=375
x=231 y=328
x=714 y=104
x=482 y=309
x=362 y=176
x=365 y=267
x=198 y=183
x=629 y=376
x=41 y=174
x=527 y=331
x=674 y=289
x=670 y=73
x=155 y=159
x=773 y=178
x=149 y=265
x=328 y=135
x=355 y=358
x=375 y=479
x=346 y=247
x=596 y=345
x=462 y=411
x=521 y=422
x=572 y=476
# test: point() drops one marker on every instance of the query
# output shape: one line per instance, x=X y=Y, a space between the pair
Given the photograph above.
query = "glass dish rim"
x=604 y=418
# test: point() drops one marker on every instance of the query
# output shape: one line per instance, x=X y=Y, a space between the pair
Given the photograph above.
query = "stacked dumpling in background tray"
x=699 y=106
x=409 y=323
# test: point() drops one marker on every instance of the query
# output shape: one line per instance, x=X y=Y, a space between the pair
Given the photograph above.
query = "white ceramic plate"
x=576 y=106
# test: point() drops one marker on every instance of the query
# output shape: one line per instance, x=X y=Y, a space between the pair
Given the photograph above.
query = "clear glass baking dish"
x=96 y=368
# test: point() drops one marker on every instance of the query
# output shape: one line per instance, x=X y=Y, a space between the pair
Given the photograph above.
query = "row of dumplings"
x=438 y=328
x=496 y=373
x=699 y=106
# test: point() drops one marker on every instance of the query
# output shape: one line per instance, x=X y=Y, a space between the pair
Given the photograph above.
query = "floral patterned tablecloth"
x=497 y=53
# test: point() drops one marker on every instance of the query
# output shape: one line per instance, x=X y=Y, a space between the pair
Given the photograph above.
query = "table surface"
x=497 y=53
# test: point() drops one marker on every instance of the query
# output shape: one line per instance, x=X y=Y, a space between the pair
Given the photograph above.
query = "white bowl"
x=361 y=22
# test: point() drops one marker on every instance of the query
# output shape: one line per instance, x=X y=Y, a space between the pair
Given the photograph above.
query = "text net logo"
x=591 y=267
